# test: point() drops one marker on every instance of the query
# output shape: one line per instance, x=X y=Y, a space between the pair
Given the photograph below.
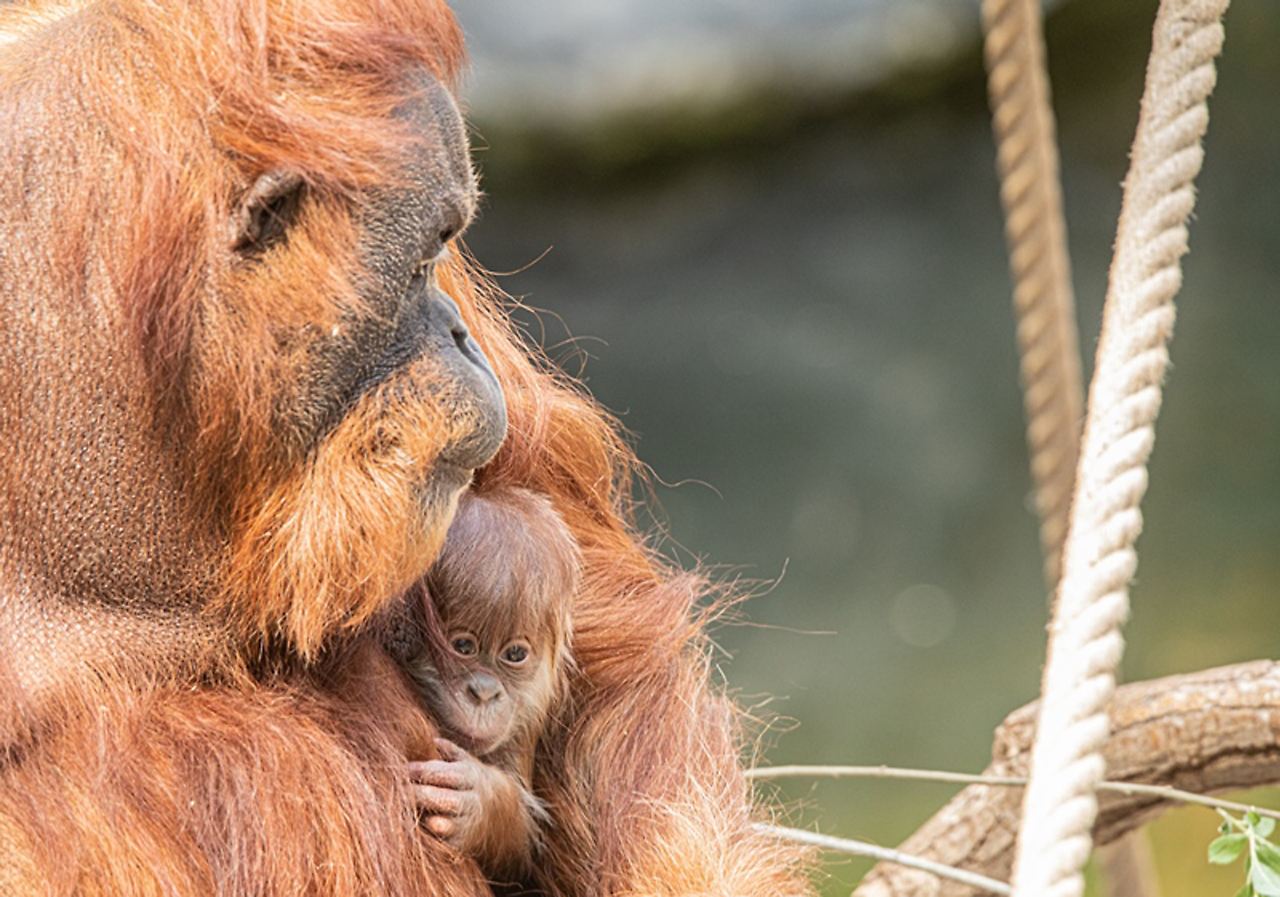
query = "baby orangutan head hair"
x=497 y=610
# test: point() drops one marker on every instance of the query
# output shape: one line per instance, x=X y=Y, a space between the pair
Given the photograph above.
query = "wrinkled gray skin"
x=404 y=229
x=101 y=553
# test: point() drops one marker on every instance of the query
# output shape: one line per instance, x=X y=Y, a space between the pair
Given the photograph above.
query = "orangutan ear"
x=264 y=213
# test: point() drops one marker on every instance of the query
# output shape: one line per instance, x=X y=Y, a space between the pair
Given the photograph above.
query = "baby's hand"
x=452 y=792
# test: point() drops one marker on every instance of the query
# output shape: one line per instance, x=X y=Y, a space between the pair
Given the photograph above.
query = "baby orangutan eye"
x=516 y=653
x=464 y=645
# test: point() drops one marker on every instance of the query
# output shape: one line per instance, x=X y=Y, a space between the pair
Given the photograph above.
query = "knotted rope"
x=1035 y=231
x=1085 y=643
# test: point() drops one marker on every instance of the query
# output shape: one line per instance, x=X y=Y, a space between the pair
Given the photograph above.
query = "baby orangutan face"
x=496 y=607
x=490 y=682
x=495 y=612
x=491 y=687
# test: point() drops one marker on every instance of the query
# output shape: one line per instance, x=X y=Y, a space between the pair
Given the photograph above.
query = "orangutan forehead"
x=264 y=81
x=503 y=595
x=508 y=560
x=514 y=535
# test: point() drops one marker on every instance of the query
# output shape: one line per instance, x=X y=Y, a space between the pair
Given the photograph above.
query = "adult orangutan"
x=236 y=411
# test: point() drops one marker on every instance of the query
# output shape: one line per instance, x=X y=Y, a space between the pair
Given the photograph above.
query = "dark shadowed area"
x=798 y=302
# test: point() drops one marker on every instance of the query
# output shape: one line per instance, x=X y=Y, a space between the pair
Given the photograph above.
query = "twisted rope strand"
x=1035 y=231
x=1044 y=308
x=1085 y=643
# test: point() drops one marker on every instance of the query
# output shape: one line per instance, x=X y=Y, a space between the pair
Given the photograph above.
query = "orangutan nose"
x=484 y=688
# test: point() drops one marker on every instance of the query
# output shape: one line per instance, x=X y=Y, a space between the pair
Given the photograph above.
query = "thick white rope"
x=1044 y=308
x=1035 y=232
x=1085 y=643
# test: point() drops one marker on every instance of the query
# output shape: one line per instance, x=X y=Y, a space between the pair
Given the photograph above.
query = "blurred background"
x=767 y=235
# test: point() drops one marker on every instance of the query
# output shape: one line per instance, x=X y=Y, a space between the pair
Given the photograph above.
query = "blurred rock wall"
x=558 y=63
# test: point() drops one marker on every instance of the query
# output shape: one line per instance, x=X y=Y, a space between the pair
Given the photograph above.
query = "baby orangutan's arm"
x=481 y=810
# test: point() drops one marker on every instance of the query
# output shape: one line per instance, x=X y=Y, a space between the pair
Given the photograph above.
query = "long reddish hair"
x=644 y=780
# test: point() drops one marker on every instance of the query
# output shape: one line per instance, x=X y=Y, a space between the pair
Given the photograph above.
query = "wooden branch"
x=1216 y=730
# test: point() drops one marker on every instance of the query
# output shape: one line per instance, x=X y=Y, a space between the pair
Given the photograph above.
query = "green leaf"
x=1264 y=872
x=1267 y=853
x=1266 y=825
x=1246 y=891
x=1227 y=848
x=1252 y=819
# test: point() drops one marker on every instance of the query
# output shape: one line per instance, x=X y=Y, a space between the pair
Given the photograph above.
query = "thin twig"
x=863 y=849
x=960 y=778
x=880 y=772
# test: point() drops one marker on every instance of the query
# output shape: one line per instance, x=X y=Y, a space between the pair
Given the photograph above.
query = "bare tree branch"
x=887 y=854
x=1216 y=730
x=1162 y=792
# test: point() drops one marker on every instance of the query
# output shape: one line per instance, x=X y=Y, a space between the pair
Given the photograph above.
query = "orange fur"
x=326 y=547
x=509 y=570
x=236 y=788
x=128 y=130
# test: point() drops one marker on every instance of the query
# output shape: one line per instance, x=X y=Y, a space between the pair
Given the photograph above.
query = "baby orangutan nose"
x=484 y=688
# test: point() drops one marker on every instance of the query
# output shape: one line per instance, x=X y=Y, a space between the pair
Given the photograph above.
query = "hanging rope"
x=1035 y=232
x=1044 y=308
x=1099 y=559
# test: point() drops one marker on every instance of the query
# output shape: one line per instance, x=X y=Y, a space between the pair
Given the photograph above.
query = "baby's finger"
x=442 y=774
x=441 y=826
x=450 y=751
x=437 y=801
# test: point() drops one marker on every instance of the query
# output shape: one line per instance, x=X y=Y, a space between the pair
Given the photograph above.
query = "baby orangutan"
x=491 y=668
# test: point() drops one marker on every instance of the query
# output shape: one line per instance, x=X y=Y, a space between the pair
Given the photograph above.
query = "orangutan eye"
x=515 y=653
x=464 y=645
x=427 y=268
